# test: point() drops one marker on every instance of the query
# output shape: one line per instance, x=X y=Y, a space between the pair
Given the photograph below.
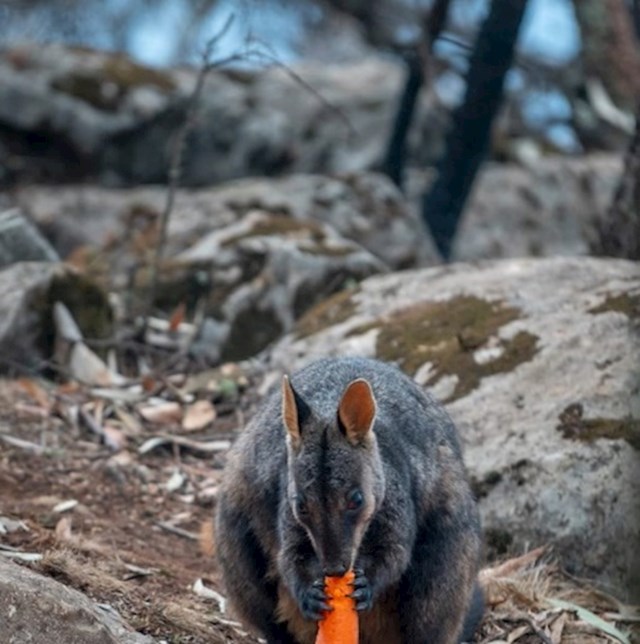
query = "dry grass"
x=530 y=600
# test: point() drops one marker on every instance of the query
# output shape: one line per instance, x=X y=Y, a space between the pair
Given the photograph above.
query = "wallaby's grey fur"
x=351 y=465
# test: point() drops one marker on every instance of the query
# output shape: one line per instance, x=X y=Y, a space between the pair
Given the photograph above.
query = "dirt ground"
x=131 y=541
x=133 y=530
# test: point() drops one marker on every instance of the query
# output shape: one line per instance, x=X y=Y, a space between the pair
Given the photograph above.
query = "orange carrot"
x=339 y=626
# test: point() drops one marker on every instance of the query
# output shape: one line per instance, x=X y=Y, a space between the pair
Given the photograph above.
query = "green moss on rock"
x=104 y=88
x=446 y=335
x=87 y=303
x=573 y=426
x=333 y=310
x=279 y=225
x=627 y=303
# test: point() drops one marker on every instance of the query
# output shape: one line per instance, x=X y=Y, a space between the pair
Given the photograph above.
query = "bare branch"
x=177 y=152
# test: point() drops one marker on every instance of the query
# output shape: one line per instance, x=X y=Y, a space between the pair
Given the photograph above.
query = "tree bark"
x=468 y=138
x=610 y=48
x=395 y=158
x=618 y=234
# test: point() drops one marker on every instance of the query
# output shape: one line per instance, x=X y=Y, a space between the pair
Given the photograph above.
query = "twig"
x=177 y=153
x=185 y=534
x=274 y=60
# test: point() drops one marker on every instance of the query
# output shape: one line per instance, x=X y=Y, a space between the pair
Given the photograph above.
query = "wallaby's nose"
x=335 y=570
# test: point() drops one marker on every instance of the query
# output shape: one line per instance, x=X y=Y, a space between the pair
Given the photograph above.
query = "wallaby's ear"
x=290 y=413
x=357 y=411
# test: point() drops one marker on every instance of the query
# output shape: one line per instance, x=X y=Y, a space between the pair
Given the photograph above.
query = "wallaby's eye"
x=354 y=500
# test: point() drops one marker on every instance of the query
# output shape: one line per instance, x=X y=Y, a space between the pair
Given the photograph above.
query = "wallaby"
x=351 y=465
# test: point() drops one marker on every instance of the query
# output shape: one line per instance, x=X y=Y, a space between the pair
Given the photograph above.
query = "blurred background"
x=198 y=196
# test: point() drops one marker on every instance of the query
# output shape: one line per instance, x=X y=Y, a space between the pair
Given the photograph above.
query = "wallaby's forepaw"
x=313 y=601
x=362 y=591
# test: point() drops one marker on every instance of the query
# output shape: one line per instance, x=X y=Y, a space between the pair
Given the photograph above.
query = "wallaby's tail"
x=474 y=614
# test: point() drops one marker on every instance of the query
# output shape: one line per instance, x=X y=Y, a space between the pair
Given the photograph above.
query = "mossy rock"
x=104 y=88
x=279 y=225
x=252 y=330
x=87 y=303
x=333 y=310
x=573 y=426
x=446 y=334
x=627 y=303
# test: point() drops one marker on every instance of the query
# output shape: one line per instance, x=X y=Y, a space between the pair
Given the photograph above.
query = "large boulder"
x=544 y=209
x=28 y=292
x=364 y=207
x=260 y=275
x=68 y=113
x=538 y=363
x=35 y=609
x=548 y=207
x=20 y=240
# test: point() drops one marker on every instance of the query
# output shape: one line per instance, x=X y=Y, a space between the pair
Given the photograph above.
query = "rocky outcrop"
x=537 y=362
x=94 y=114
x=259 y=276
x=549 y=207
x=28 y=292
x=39 y=610
x=364 y=207
x=20 y=240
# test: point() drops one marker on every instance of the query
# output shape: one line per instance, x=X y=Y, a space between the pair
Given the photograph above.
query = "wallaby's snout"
x=336 y=569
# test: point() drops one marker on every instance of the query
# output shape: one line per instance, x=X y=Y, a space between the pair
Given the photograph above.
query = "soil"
x=122 y=502
x=139 y=535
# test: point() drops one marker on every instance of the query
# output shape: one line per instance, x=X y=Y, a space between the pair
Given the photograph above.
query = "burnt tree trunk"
x=618 y=234
x=610 y=48
x=468 y=138
x=395 y=157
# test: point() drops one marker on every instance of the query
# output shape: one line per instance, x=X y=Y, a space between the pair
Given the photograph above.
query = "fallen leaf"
x=208 y=593
x=65 y=506
x=163 y=413
x=37 y=393
x=12 y=525
x=87 y=367
x=198 y=415
x=198 y=446
x=114 y=438
x=23 y=556
x=63 y=529
x=557 y=628
x=177 y=317
x=22 y=444
x=591 y=619
x=176 y=481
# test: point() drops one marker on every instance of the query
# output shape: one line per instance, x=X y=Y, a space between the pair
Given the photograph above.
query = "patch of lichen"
x=572 y=425
x=627 y=303
x=324 y=250
x=333 y=310
x=482 y=487
x=280 y=225
x=104 y=88
x=446 y=334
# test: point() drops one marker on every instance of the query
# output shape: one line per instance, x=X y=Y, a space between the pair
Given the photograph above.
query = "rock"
x=38 y=610
x=20 y=240
x=548 y=208
x=364 y=207
x=95 y=114
x=537 y=362
x=28 y=292
x=264 y=272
